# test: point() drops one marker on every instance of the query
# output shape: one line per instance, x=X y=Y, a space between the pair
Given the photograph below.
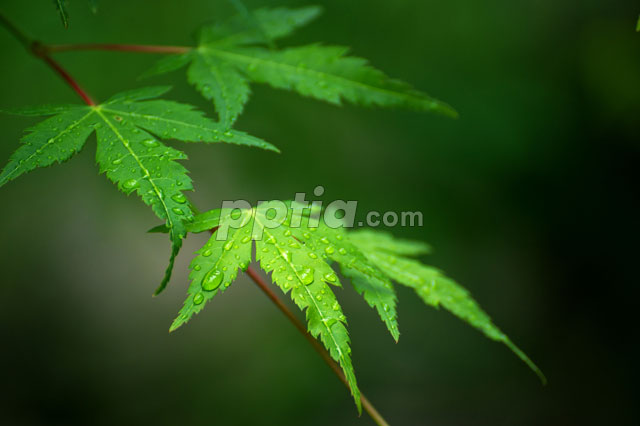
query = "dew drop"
x=130 y=184
x=198 y=299
x=212 y=280
x=324 y=240
x=197 y=268
x=206 y=253
x=331 y=277
x=306 y=276
x=313 y=255
x=179 y=198
x=117 y=161
x=342 y=250
x=177 y=211
x=329 y=249
x=151 y=143
x=246 y=239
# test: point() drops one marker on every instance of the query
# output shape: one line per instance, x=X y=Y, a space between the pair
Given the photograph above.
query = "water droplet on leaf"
x=130 y=184
x=331 y=277
x=212 y=280
x=179 y=198
x=306 y=276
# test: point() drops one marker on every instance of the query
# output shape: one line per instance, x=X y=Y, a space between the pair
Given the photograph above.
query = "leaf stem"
x=66 y=77
x=368 y=407
x=43 y=52
x=139 y=48
x=39 y=50
x=19 y=35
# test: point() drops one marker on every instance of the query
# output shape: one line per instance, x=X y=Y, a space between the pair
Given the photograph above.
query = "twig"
x=43 y=52
x=40 y=51
x=138 y=48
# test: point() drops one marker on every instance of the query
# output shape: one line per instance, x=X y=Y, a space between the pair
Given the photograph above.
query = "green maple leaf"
x=232 y=54
x=296 y=267
x=128 y=127
x=299 y=250
x=435 y=289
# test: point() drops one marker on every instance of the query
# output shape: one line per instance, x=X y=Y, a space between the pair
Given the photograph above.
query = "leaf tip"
x=448 y=111
x=526 y=360
x=174 y=326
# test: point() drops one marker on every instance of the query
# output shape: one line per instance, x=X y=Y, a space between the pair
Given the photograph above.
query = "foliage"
x=128 y=127
x=301 y=250
x=234 y=53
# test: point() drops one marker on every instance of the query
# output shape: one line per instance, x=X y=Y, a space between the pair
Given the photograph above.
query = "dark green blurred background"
x=527 y=198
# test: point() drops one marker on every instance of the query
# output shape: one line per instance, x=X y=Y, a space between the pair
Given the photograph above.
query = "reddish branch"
x=43 y=52
x=368 y=407
x=138 y=48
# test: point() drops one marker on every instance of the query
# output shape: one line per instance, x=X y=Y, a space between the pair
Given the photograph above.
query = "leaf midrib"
x=310 y=296
x=52 y=141
x=321 y=74
x=139 y=162
x=159 y=119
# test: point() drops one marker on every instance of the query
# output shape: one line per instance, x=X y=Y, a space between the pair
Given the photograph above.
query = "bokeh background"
x=528 y=200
